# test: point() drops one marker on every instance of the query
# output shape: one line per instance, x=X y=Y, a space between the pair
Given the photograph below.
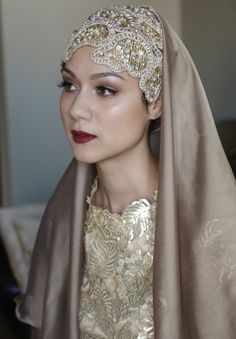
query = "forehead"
x=81 y=59
x=80 y=63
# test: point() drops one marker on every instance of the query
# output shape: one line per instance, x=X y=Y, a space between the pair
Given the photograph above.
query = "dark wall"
x=209 y=32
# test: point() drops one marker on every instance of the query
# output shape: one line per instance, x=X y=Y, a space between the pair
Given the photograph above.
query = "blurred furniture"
x=18 y=229
x=9 y=289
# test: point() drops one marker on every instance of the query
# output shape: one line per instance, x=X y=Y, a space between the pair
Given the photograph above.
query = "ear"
x=154 y=109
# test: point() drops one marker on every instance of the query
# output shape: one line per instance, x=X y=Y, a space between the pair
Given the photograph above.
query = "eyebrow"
x=104 y=75
x=67 y=70
x=92 y=76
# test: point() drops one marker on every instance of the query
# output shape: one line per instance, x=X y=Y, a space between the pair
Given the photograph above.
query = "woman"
x=159 y=259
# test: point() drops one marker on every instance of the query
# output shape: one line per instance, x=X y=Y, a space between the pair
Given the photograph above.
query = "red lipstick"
x=81 y=137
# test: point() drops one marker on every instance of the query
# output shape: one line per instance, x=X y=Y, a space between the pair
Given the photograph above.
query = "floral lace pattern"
x=116 y=294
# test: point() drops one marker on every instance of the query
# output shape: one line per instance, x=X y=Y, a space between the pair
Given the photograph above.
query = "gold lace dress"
x=116 y=295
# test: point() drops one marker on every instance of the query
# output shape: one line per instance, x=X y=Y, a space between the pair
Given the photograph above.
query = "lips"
x=81 y=137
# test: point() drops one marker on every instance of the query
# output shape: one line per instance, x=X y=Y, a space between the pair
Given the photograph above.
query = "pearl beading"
x=126 y=38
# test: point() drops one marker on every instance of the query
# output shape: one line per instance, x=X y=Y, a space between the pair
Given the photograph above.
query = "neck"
x=121 y=182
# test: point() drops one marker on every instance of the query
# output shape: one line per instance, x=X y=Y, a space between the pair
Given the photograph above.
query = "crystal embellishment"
x=126 y=38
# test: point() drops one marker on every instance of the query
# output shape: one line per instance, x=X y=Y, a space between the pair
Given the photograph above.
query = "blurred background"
x=34 y=34
x=33 y=149
x=34 y=152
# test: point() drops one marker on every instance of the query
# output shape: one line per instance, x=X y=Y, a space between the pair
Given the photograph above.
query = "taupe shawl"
x=195 y=249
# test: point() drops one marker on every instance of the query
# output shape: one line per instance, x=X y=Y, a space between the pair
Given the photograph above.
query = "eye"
x=105 y=91
x=68 y=86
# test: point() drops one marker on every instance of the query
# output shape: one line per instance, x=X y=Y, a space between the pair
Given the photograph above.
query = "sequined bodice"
x=116 y=294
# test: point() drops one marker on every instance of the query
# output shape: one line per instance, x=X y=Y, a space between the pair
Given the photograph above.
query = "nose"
x=80 y=108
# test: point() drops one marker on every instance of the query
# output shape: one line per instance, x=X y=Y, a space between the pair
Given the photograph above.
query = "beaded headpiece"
x=128 y=39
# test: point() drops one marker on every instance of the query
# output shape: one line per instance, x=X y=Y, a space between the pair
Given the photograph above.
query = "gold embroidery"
x=116 y=295
x=213 y=240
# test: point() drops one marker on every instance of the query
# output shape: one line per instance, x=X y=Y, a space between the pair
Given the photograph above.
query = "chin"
x=85 y=158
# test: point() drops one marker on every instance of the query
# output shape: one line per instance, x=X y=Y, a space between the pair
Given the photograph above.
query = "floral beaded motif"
x=126 y=39
x=116 y=294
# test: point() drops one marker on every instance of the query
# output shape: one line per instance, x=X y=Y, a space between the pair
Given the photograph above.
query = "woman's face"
x=103 y=113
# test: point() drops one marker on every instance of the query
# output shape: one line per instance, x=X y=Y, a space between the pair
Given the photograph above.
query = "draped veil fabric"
x=195 y=250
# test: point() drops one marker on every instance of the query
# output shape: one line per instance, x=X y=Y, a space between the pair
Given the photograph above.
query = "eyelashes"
x=61 y=84
x=105 y=91
x=67 y=86
x=100 y=90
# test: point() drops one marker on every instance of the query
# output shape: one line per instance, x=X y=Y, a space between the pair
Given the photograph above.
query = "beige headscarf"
x=195 y=248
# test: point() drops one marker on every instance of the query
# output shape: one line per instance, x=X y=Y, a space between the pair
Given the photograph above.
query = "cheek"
x=64 y=108
x=65 y=116
x=134 y=115
x=125 y=122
